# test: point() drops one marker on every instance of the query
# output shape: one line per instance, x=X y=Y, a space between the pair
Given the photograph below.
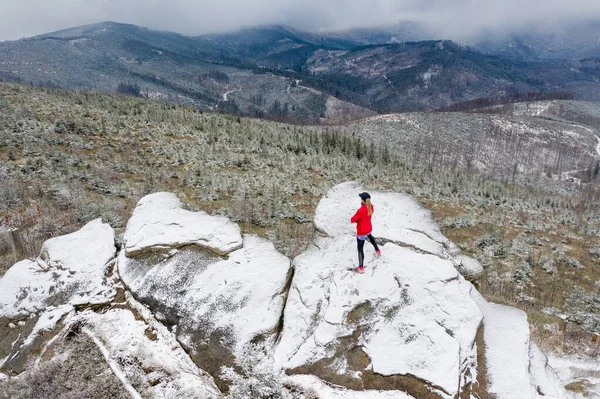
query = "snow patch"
x=79 y=41
x=516 y=368
x=506 y=333
x=48 y=321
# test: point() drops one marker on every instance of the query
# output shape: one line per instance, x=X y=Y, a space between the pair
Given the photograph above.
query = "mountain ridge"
x=283 y=73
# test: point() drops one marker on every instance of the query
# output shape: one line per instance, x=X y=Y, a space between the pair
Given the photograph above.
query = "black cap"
x=364 y=196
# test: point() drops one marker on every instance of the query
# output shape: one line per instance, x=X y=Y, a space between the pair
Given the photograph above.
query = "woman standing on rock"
x=362 y=218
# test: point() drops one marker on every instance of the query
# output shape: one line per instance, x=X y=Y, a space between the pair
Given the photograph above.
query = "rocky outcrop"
x=70 y=269
x=36 y=294
x=408 y=323
x=515 y=365
x=221 y=291
x=189 y=294
x=71 y=289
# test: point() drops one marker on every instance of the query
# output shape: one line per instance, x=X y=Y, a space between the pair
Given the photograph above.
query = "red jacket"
x=363 y=220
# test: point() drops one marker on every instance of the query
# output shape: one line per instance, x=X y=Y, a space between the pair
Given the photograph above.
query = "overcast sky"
x=450 y=18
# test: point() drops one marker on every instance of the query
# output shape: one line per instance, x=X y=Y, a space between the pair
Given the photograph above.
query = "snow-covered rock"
x=409 y=320
x=160 y=222
x=516 y=368
x=218 y=304
x=397 y=218
x=469 y=267
x=143 y=350
x=70 y=270
x=206 y=296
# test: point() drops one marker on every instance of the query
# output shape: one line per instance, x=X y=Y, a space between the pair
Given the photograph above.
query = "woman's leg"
x=361 y=254
x=372 y=240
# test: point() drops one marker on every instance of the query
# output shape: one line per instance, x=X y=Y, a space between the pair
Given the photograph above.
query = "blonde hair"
x=369 y=206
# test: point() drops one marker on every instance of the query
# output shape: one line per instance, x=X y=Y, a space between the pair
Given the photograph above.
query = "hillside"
x=69 y=157
x=163 y=66
x=282 y=73
x=527 y=147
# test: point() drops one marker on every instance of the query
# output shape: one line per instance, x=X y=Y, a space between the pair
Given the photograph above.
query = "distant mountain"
x=569 y=41
x=278 y=46
x=273 y=47
x=430 y=74
x=283 y=73
x=165 y=66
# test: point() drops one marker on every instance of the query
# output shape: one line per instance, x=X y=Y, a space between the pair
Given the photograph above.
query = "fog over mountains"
x=456 y=20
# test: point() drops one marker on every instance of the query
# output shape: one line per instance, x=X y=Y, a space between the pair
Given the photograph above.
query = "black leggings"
x=361 y=246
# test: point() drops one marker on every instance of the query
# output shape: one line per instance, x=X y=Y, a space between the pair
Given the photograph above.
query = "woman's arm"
x=356 y=216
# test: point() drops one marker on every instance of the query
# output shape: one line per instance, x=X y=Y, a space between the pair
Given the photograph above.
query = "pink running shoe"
x=361 y=269
x=378 y=253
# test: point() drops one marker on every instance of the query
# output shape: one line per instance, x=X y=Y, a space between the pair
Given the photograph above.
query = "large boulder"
x=411 y=324
x=36 y=294
x=516 y=367
x=159 y=222
x=220 y=291
x=70 y=269
x=407 y=324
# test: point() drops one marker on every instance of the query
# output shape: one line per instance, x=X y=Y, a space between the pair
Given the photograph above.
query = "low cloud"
x=445 y=18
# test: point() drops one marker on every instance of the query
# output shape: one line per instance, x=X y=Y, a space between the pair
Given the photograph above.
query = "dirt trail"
x=226 y=94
